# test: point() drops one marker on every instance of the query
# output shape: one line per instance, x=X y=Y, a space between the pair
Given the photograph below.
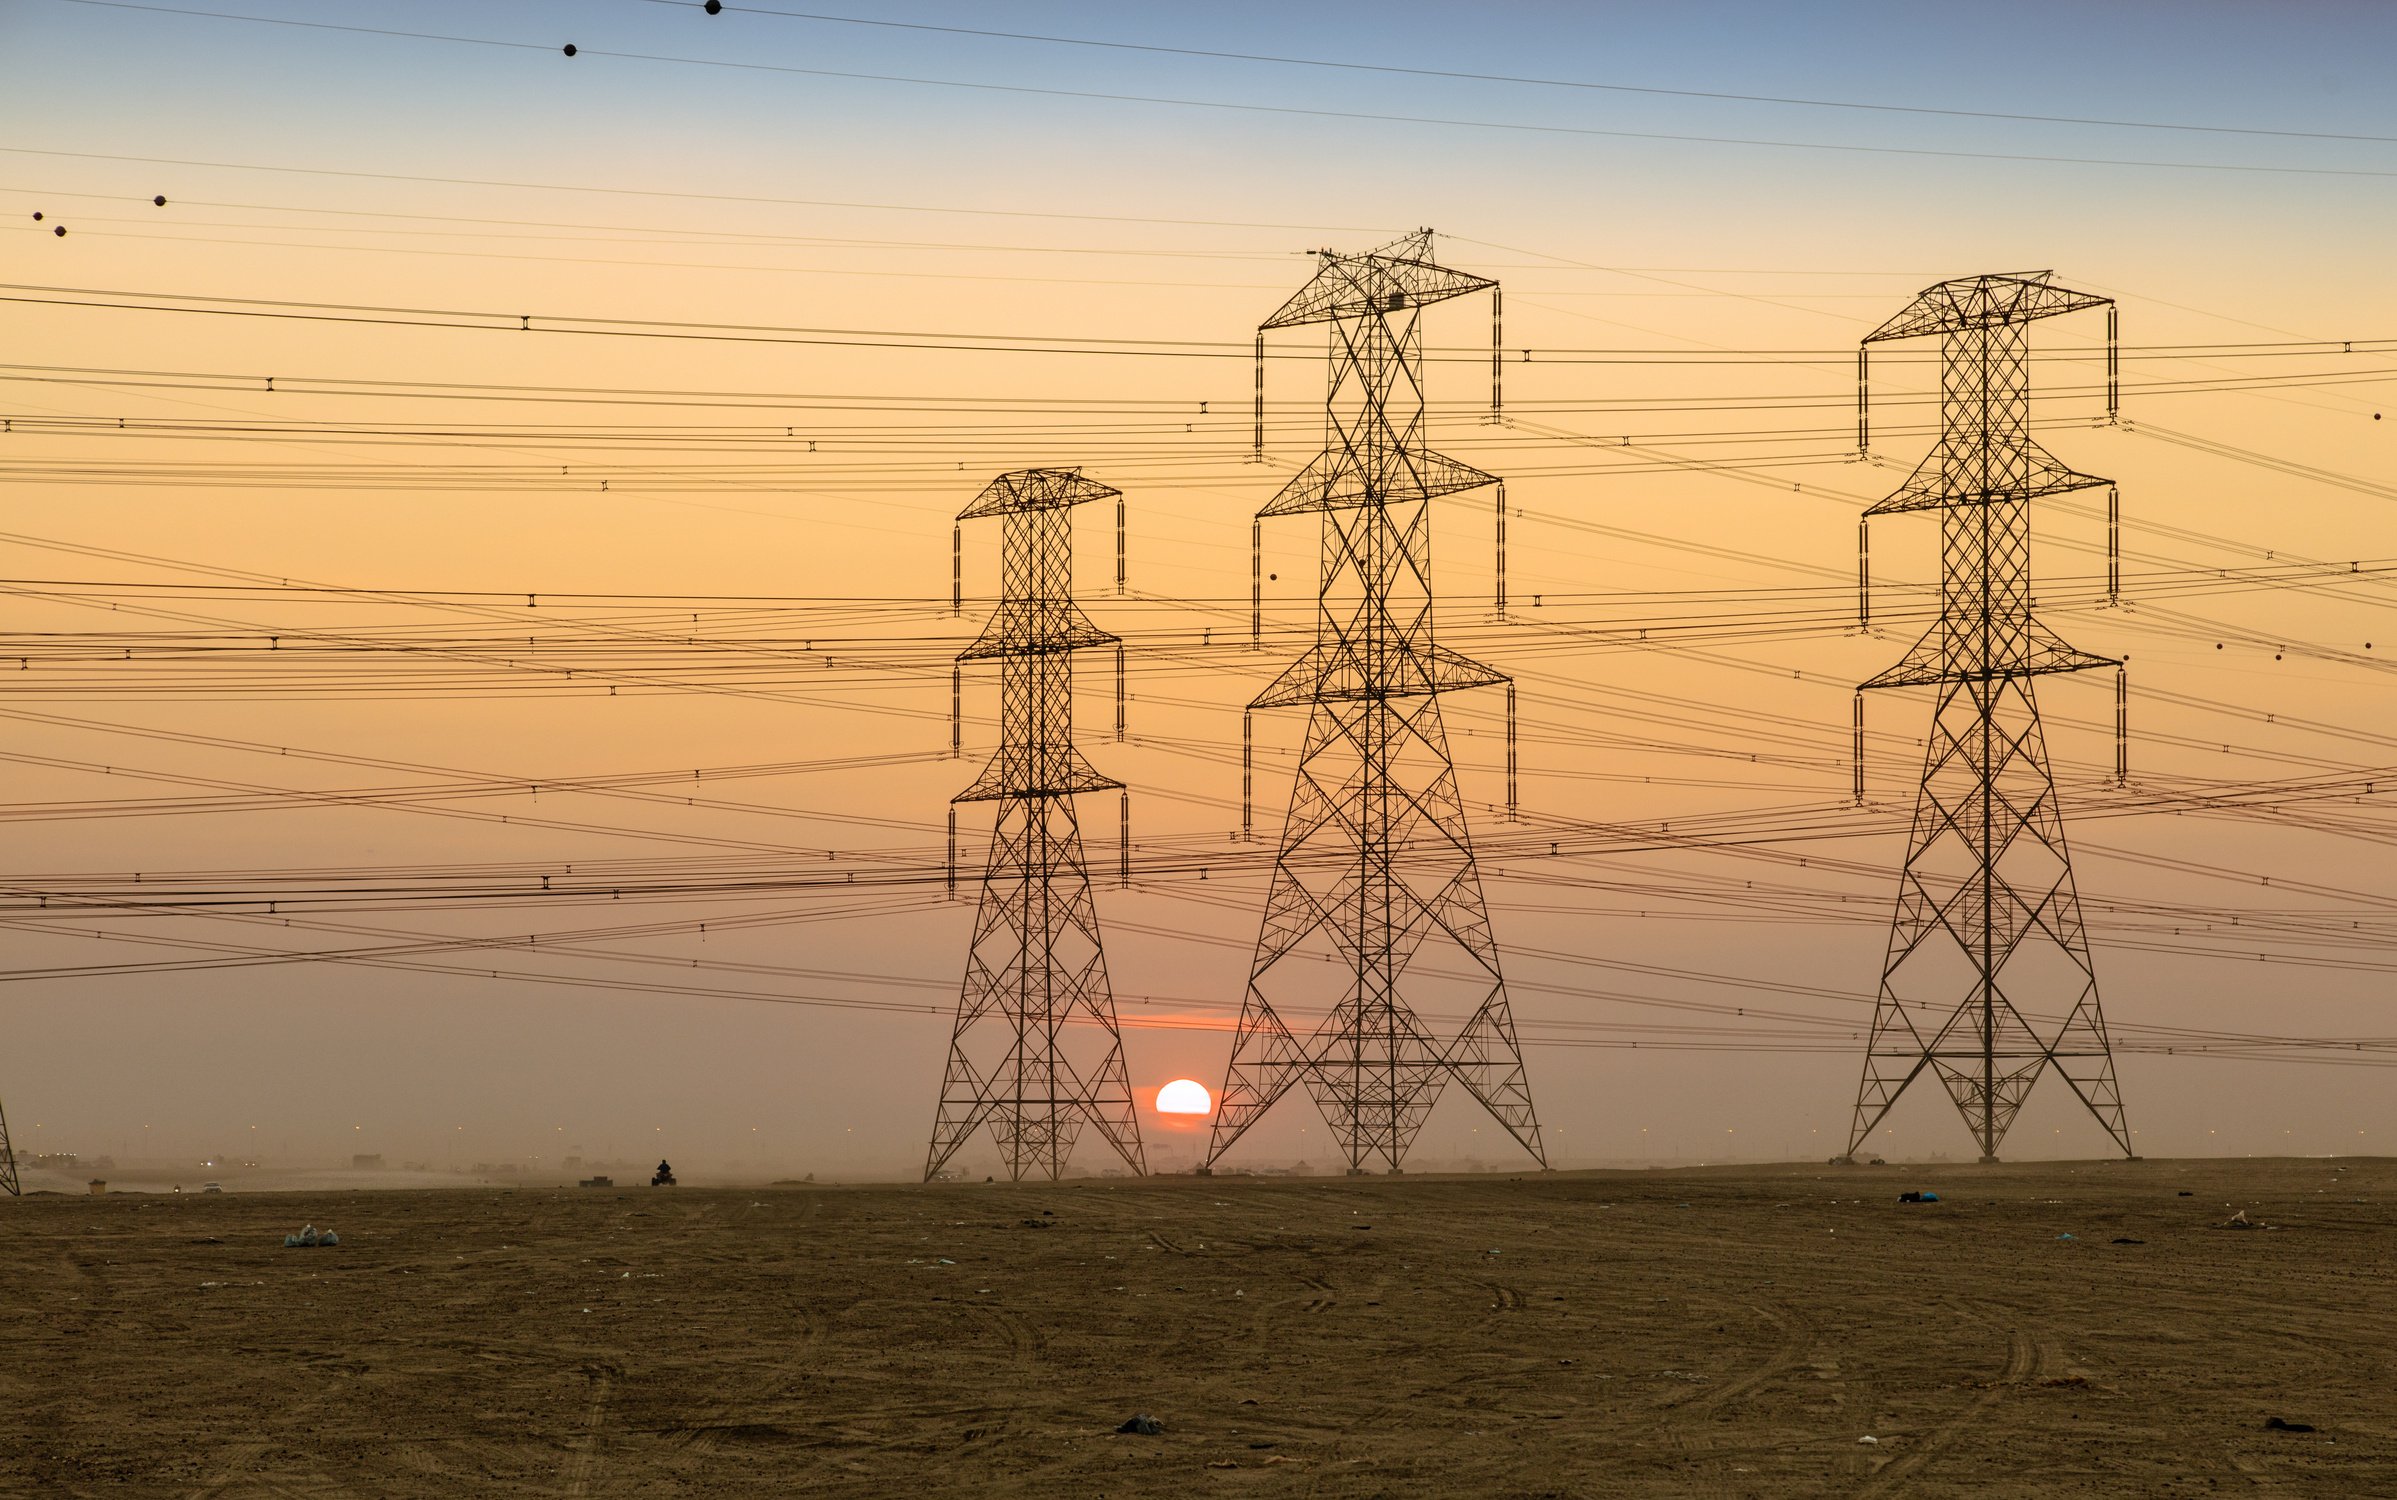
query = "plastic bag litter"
x=311 y=1238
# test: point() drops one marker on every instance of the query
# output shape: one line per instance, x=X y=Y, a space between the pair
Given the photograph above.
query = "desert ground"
x=1705 y=1332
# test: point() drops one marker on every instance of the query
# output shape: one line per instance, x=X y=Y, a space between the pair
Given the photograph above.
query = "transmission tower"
x=1036 y=1054
x=8 y=1161
x=1375 y=914
x=1988 y=980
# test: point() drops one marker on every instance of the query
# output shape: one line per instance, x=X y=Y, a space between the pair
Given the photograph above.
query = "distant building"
x=367 y=1162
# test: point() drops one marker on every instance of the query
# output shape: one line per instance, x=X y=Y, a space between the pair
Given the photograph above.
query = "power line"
x=1281 y=110
x=1537 y=82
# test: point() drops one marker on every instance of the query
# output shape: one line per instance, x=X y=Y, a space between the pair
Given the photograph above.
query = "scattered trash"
x=2064 y=1236
x=2282 y=1424
x=1038 y=1224
x=2239 y=1220
x=1223 y=1463
x=947 y=1262
x=311 y=1238
x=1868 y=1438
x=2124 y=1239
x=2185 y=1193
x=1918 y=1197
x=1143 y=1424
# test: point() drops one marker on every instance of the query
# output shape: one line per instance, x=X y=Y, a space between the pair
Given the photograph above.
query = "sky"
x=674 y=359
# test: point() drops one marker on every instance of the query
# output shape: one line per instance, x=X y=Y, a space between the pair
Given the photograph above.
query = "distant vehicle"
x=212 y=1187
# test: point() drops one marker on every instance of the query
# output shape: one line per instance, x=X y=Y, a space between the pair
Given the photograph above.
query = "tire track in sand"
x=748 y=1416
x=1688 y=1425
x=584 y=1460
x=2025 y=1358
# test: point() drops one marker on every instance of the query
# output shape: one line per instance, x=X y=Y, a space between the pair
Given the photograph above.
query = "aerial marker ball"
x=570 y=49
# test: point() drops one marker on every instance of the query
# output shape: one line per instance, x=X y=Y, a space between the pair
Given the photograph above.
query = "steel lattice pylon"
x=1036 y=1054
x=1988 y=980
x=1375 y=901
x=8 y=1161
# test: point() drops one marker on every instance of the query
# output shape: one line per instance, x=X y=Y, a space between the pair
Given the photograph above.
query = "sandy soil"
x=1720 y=1332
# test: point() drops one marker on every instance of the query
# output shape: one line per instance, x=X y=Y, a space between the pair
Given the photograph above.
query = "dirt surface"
x=1721 y=1332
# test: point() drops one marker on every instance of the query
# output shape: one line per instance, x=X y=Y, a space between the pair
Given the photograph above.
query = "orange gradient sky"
x=333 y=600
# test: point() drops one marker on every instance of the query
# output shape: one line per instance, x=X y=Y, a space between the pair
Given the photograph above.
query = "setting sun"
x=1185 y=1096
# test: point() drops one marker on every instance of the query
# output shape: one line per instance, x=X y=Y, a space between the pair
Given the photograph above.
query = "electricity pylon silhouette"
x=8 y=1161
x=1036 y=1054
x=1988 y=980
x=1375 y=913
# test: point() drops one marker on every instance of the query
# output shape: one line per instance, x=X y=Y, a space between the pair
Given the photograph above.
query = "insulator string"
x=1256 y=585
x=1248 y=761
x=1864 y=573
x=1259 y=456
x=2122 y=726
x=1513 y=802
x=1864 y=401
x=1497 y=362
x=1501 y=588
x=2113 y=545
x=1858 y=753
x=2113 y=365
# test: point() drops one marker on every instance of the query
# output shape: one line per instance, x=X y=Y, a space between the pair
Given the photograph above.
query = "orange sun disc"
x=1184 y=1096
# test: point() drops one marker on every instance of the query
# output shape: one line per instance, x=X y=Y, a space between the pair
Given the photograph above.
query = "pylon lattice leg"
x=8 y=1161
x=1036 y=1054
x=1987 y=890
